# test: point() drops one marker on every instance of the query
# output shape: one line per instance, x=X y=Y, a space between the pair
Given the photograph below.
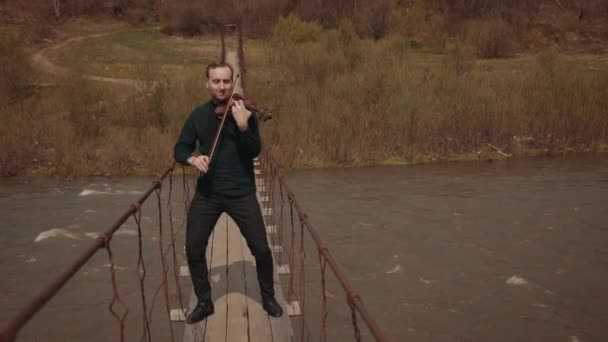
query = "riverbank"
x=337 y=100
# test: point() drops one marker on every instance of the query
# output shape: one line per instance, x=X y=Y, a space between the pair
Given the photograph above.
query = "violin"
x=221 y=109
x=224 y=109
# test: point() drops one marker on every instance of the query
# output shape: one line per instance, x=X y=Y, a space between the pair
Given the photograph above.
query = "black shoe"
x=200 y=312
x=272 y=307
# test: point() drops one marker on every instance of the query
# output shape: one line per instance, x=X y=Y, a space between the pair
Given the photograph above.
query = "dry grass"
x=337 y=100
x=365 y=102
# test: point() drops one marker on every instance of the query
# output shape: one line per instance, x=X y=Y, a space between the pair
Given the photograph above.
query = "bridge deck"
x=238 y=316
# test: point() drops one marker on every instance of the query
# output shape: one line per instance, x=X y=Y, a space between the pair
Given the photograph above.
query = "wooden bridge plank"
x=280 y=326
x=237 y=324
x=196 y=332
x=259 y=321
x=216 y=323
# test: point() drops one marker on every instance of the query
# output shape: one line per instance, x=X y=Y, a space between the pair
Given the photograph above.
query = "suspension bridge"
x=304 y=267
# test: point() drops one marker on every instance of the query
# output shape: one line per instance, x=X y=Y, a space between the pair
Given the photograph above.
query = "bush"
x=459 y=59
x=491 y=38
x=158 y=103
x=16 y=142
x=15 y=70
x=86 y=109
x=291 y=30
x=187 y=22
x=184 y=18
x=41 y=30
x=397 y=44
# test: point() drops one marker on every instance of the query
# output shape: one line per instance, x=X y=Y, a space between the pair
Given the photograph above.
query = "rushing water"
x=503 y=251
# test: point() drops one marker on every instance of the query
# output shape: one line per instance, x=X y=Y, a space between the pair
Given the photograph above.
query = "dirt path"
x=41 y=60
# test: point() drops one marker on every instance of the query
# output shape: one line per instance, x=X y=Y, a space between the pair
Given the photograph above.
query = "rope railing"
x=272 y=176
x=118 y=307
x=295 y=252
x=297 y=255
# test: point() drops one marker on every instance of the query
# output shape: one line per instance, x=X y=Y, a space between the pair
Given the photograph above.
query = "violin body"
x=263 y=114
x=223 y=110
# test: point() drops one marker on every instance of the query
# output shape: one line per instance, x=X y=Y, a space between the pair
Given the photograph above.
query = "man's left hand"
x=241 y=115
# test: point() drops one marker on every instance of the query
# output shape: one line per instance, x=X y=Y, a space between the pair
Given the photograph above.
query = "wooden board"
x=259 y=321
x=216 y=323
x=196 y=332
x=237 y=324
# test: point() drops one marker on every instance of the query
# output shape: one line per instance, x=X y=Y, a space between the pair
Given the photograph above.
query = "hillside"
x=427 y=88
x=503 y=26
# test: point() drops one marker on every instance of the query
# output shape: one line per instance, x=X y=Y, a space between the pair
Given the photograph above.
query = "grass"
x=122 y=54
x=377 y=102
x=334 y=103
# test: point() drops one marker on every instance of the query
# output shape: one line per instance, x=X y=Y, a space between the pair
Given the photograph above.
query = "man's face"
x=220 y=83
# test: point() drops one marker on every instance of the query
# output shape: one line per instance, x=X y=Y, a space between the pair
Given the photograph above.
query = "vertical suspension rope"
x=354 y=321
x=290 y=291
x=164 y=262
x=270 y=195
x=302 y=277
x=324 y=313
x=276 y=223
x=11 y=330
x=116 y=297
x=141 y=273
x=279 y=227
x=172 y=228
x=186 y=190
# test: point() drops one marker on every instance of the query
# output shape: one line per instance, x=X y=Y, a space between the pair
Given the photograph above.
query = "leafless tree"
x=57 y=7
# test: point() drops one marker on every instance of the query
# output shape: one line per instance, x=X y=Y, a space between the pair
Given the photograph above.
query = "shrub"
x=187 y=22
x=291 y=30
x=459 y=59
x=491 y=38
x=15 y=70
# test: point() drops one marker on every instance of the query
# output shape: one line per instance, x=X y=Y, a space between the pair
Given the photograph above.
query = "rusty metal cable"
x=10 y=331
x=174 y=252
x=186 y=191
x=292 y=248
x=141 y=274
x=353 y=299
x=163 y=261
x=116 y=297
x=324 y=312
x=272 y=178
x=279 y=226
x=356 y=331
x=302 y=279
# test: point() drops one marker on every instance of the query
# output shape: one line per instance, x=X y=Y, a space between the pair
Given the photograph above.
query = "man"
x=226 y=184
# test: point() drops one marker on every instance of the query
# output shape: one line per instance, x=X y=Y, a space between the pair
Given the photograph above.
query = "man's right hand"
x=201 y=163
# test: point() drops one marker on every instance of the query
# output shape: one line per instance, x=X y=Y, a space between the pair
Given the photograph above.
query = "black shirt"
x=231 y=169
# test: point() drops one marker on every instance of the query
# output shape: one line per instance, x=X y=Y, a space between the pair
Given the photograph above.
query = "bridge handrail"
x=353 y=298
x=9 y=333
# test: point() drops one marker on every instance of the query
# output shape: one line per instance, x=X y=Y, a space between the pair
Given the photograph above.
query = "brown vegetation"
x=495 y=27
x=344 y=90
x=361 y=102
x=80 y=127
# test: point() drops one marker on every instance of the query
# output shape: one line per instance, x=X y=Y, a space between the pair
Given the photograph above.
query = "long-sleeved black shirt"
x=231 y=169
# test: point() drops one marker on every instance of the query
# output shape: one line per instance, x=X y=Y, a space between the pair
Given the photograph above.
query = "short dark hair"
x=215 y=65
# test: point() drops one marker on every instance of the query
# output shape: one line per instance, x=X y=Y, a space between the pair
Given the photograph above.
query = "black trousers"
x=205 y=210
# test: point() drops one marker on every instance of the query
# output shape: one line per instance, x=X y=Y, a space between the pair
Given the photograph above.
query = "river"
x=471 y=251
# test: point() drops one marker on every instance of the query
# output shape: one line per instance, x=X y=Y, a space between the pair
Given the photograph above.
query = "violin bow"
x=219 y=129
